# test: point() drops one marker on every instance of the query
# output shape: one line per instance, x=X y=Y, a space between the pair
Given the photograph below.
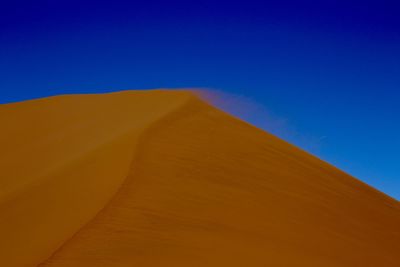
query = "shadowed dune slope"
x=160 y=178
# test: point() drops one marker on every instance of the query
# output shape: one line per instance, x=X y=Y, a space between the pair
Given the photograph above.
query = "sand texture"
x=161 y=178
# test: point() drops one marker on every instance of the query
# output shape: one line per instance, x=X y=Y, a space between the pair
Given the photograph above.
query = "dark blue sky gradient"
x=327 y=73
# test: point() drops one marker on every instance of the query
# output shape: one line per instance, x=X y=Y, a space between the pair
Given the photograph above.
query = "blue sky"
x=324 y=75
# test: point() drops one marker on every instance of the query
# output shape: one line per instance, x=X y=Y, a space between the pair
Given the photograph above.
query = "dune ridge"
x=174 y=181
x=46 y=198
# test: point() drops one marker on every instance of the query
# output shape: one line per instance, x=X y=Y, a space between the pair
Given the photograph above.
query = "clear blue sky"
x=326 y=73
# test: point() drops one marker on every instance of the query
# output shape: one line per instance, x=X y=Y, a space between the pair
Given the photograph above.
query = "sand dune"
x=161 y=178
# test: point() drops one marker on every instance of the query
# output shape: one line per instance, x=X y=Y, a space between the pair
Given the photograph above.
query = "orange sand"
x=160 y=178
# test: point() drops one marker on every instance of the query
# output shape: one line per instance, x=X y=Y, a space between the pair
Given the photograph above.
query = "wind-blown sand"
x=161 y=178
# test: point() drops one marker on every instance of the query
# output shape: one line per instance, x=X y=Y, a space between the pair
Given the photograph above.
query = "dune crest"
x=161 y=178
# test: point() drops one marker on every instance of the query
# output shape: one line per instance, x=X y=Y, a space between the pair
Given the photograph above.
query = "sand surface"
x=161 y=178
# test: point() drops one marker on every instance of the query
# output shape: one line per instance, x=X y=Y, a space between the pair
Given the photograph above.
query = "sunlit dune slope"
x=160 y=178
